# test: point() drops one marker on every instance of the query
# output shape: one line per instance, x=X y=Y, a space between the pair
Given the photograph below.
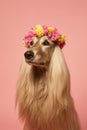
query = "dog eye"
x=31 y=43
x=46 y=43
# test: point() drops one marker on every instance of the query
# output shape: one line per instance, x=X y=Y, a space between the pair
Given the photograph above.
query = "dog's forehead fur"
x=41 y=39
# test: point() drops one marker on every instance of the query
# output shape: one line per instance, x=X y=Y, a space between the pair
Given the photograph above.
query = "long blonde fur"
x=44 y=101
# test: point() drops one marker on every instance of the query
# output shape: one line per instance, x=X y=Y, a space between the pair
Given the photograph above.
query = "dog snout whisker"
x=29 y=55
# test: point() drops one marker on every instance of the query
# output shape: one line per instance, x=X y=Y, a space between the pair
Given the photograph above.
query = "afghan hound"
x=43 y=93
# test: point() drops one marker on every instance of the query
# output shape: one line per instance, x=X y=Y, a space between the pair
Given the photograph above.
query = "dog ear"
x=22 y=84
x=59 y=78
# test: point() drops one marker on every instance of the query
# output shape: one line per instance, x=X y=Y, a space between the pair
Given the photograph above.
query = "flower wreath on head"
x=43 y=30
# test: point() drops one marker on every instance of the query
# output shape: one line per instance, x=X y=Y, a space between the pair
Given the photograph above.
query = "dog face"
x=40 y=51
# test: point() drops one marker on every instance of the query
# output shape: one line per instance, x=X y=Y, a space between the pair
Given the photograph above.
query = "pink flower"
x=30 y=34
x=28 y=38
x=54 y=36
x=49 y=34
x=45 y=29
x=62 y=45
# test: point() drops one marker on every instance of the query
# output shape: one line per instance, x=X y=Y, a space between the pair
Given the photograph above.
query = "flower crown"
x=43 y=30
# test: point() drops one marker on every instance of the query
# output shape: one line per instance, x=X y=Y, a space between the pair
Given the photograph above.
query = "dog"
x=43 y=93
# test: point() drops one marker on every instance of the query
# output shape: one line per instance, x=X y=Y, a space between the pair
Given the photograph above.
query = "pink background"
x=16 y=17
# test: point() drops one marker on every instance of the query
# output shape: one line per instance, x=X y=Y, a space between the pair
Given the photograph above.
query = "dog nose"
x=29 y=55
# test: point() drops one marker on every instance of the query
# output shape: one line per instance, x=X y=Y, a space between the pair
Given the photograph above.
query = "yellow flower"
x=61 y=39
x=39 y=30
x=51 y=29
x=25 y=45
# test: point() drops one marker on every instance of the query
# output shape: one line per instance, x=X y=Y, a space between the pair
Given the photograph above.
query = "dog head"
x=40 y=51
x=40 y=43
